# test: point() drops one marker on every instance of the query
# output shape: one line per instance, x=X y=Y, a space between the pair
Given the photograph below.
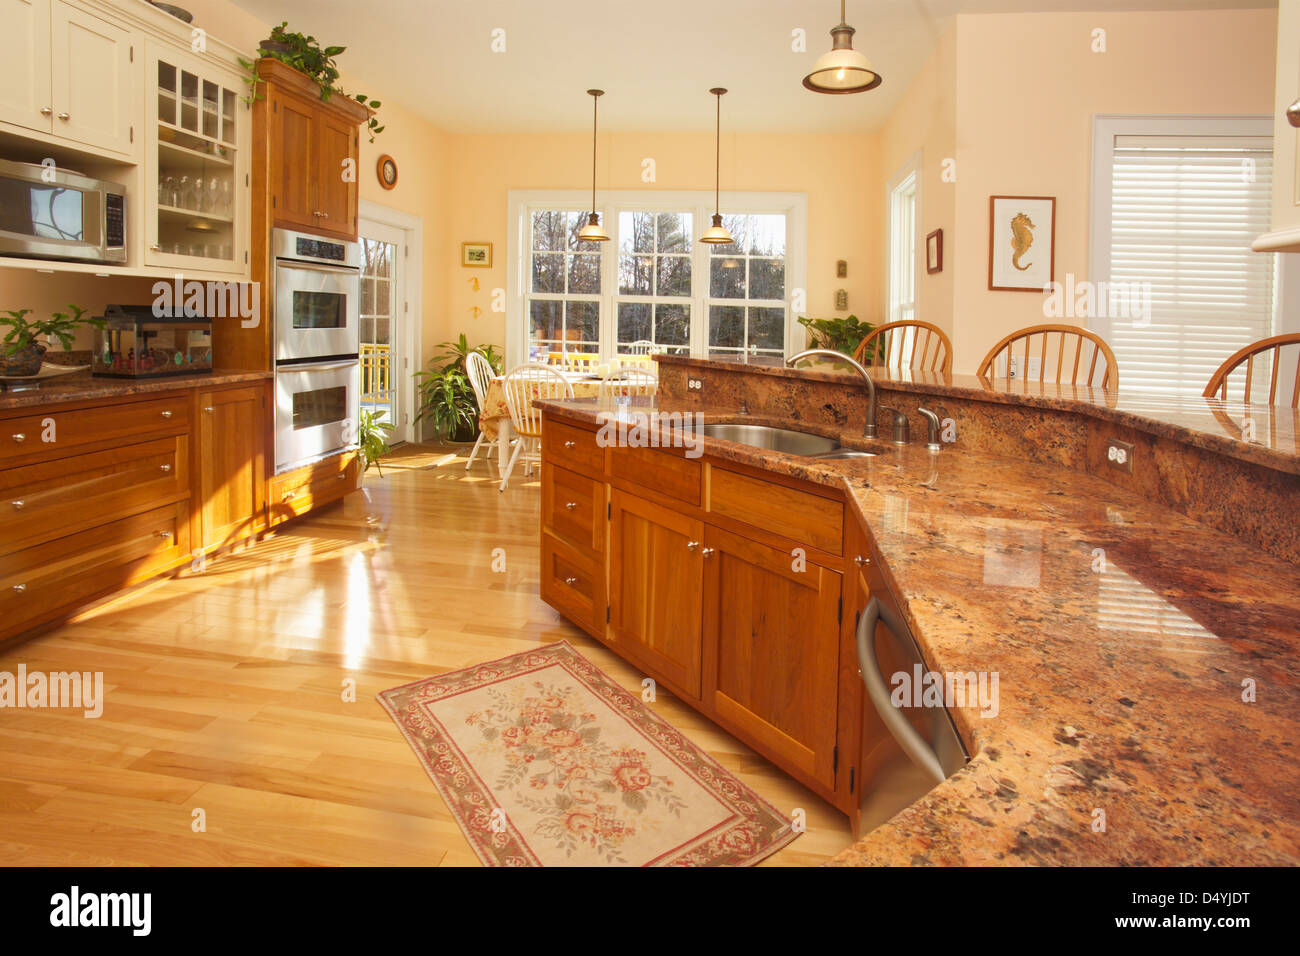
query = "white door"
x=92 y=87
x=385 y=342
x=25 y=52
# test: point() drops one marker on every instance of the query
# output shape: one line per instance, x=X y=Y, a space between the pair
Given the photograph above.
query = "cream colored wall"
x=1026 y=88
x=837 y=172
x=925 y=121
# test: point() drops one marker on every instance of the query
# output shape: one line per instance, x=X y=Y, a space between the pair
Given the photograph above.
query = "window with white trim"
x=654 y=287
x=902 y=248
x=1177 y=203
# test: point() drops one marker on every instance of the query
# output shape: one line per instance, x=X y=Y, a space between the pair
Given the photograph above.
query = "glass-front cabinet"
x=196 y=195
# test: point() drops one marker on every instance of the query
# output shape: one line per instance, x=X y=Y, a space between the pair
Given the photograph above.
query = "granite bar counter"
x=1149 y=710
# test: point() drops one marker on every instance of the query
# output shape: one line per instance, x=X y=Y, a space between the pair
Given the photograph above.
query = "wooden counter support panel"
x=773 y=507
x=771 y=629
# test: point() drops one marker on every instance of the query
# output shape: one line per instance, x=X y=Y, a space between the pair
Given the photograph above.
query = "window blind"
x=1184 y=211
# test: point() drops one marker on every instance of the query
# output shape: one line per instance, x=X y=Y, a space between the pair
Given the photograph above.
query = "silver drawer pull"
x=164 y=534
x=167 y=413
x=20 y=588
x=570 y=444
x=861 y=562
x=166 y=469
x=65 y=116
x=288 y=495
x=570 y=505
x=341 y=475
x=20 y=437
x=692 y=545
x=707 y=552
x=18 y=505
x=570 y=581
x=46 y=111
x=209 y=409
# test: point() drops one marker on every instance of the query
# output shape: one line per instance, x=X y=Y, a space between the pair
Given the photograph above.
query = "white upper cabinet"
x=92 y=86
x=25 y=98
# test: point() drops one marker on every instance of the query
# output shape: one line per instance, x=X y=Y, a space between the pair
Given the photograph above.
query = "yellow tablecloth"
x=494 y=404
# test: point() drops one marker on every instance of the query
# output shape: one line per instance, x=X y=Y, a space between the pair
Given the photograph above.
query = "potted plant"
x=446 y=396
x=839 y=335
x=308 y=57
x=23 y=353
x=372 y=436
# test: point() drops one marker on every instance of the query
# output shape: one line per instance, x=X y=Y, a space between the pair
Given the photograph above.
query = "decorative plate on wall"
x=387 y=171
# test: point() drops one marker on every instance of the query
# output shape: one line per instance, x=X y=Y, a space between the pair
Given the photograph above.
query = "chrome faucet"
x=869 y=429
x=933 y=421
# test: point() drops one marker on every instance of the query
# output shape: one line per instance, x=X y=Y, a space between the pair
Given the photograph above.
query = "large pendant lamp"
x=843 y=69
x=717 y=234
x=592 y=231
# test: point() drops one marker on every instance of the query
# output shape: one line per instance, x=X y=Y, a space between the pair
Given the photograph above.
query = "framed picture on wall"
x=476 y=254
x=1022 y=242
x=934 y=252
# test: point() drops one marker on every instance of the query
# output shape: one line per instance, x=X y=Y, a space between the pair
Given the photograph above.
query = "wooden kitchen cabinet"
x=232 y=463
x=771 y=633
x=309 y=154
x=656 y=583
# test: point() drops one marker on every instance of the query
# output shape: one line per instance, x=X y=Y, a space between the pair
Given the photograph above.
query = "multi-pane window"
x=653 y=303
x=902 y=250
x=746 y=295
x=564 y=286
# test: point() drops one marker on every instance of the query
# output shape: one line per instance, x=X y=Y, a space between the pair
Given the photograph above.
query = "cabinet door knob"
x=166 y=413
x=570 y=581
x=209 y=408
x=64 y=116
x=46 y=111
x=861 y=562
x=20 y=437
x=20 y=588
x=18 y=505
x=164 y=534
x=155 y=247
x=288 y=495
x=692 y=545
x=570 y=505
x=570 y=444
x=341 y=475
x=707 y=552
x=166 y=469
x=323 y=215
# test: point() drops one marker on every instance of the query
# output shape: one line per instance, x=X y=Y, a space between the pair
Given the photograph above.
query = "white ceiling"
x=656 y=59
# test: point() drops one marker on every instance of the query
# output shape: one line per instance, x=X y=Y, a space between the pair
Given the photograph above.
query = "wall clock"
x=387 y=171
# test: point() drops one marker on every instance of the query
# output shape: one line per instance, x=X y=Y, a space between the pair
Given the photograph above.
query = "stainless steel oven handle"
x=913 y=744
x=318 y=366
x=317 y=267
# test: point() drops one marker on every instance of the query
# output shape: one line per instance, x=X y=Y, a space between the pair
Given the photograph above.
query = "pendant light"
x=843 y=69
x=717 y=234
x=592 y=232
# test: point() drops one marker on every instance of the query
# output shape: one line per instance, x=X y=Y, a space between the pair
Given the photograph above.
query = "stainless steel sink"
x=783 y=440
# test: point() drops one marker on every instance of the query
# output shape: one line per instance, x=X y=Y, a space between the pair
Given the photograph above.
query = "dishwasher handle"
x=913 y=744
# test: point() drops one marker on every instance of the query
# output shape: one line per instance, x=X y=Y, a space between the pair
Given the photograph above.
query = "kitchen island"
x=1148 y=711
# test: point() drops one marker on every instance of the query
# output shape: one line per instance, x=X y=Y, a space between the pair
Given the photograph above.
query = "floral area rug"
x=546 y=761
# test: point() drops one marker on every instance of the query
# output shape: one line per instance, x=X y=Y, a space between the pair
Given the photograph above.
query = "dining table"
x=494 y=418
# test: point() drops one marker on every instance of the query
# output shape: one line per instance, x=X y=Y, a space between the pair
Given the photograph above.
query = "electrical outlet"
x=1119 y=455
x=1017 y=367
x=694 y=384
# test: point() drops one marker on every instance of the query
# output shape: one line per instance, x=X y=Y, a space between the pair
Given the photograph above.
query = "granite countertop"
x=1210 y=423
x=82 y=387
x=1121 y=687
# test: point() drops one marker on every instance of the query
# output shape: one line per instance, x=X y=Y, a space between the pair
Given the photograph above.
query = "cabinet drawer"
x=23 y=436
x=573 y=507
x=573 y=448
x=297 y=492
x=42 y=582
x=574 y=585
x=656 y=471
x=55 y=498
x=798 y=515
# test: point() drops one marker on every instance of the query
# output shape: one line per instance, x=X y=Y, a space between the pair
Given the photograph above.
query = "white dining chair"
x=480 y=374
x=629 y=381
x=523 y=385
x=639 y=347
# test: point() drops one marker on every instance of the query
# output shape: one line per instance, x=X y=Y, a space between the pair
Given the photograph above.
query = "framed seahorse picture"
x=1022 y=242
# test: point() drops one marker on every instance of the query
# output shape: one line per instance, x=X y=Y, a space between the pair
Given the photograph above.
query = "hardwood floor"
x=224 y=691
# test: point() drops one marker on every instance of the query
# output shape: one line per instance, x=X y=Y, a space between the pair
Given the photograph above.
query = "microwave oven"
x=51 y=213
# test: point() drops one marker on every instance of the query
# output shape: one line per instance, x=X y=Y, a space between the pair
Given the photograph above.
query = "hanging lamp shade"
x=843 y=69
x=716 y=234
x=592 y=231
